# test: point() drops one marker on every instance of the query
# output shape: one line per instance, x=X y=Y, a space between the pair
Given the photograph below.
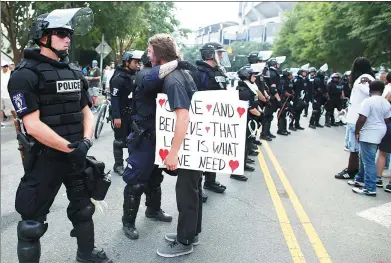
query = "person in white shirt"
x=370 y=130
x=107 y=76
x=361 y=76
x=6 y=105
x=384 y=153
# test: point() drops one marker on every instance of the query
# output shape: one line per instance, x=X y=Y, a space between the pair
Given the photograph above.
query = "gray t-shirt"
x=179 y=87
x=94 y=72
x=376 y=109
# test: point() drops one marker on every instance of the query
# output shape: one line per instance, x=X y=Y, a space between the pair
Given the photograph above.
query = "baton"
x=282 y=108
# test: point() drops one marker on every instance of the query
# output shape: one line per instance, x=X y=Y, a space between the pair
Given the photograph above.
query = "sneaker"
x=386 y=172
x=174 y=249
x=388 y=188
x=172 y=237
x=379 y=183
x=355 y=183
x=363 y=191
x=344 y=175
x=2 y=125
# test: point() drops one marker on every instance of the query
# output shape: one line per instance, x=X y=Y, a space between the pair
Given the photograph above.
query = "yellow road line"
x=316 y=243
x=286 y=227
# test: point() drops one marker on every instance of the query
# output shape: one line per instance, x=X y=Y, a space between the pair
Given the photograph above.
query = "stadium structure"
x=257 y=21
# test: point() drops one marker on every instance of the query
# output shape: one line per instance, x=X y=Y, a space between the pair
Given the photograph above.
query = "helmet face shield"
x=222 y=58
x=80 y=20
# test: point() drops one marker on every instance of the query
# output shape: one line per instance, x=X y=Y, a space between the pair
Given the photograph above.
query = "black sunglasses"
x=62 y=33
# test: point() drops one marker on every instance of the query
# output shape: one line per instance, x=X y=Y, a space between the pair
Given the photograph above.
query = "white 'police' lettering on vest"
x=64 y=86
x=220 y=79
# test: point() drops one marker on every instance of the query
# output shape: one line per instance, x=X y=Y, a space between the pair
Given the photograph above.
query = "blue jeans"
x=368 y=171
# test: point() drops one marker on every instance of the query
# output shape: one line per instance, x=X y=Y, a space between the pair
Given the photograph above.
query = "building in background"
x=258 y=22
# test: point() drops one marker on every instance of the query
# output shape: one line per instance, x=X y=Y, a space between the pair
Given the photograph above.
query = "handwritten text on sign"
x=215 y=139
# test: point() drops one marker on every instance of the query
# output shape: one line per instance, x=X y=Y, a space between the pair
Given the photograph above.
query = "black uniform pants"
x=298 y=107
x=316 y=112
x=334 y=102
x=133 y=192
x=189 y=203
x=267 y=120
x=120 y=135
x=35 y=196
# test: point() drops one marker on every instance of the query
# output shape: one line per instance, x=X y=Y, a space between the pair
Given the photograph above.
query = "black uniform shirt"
x=24 y=82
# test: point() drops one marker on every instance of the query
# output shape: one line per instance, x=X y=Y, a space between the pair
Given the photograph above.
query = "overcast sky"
x=198 y=14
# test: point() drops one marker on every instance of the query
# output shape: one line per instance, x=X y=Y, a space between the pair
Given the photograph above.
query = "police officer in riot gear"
x=141 y=175
x=121 y=87
x=320 y=98
x=210 y=75
x=286 y=94
x=335 y=93
x=51 y=98
x=272 y=78
x=299 y=87
x=248 y=91
x=345 y=84
x=309 y=93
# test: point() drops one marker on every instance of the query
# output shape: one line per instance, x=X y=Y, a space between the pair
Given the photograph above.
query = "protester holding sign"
x=179 y=87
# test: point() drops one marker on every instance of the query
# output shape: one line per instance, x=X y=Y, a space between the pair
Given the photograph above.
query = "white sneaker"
x=386 y=173
x=2 y=125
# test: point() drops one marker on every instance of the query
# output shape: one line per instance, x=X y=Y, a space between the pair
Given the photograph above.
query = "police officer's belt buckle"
x=97 y=181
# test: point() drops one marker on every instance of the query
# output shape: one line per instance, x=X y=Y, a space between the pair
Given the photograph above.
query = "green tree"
x=335 y=33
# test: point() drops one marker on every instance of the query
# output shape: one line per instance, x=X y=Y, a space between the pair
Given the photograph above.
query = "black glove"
x=186 y=65
x=78 y=156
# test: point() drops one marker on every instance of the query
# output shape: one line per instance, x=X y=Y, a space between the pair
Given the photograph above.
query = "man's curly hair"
x=164 y=47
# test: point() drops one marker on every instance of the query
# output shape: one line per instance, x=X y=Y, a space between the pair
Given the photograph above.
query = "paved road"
x=290 y=210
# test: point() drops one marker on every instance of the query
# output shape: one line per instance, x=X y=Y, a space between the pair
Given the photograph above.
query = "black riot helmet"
x=301 y=71
x=245 y=73
x=62 y=23
x=210 y=51
x=253 y=58
x=286 y=73
x=320 y=74
x=145 y=60
x=312 y=69
x=336 y=77
x=272 y=63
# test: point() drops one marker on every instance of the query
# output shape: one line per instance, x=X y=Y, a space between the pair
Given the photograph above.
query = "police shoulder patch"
x=19 y=102
x=115 y=91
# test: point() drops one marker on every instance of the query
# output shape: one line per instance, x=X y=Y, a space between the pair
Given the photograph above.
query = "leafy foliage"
x=336 y=33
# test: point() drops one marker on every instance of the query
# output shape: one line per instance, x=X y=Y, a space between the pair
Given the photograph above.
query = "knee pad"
x=29 y=246
x=134 y=190
x=83 y=214
x=119 y=144
x=31 y=230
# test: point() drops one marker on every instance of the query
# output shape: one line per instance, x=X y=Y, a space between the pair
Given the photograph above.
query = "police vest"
x=59 y=95
x=144 y=105
x=127 y=88
x=214 y=78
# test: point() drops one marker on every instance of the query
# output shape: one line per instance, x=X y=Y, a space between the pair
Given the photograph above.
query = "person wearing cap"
x=6 y=105
x=93 y=78
x=51 y=98
x=121 y=89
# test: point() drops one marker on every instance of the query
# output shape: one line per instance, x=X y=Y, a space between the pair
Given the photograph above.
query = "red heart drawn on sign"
x=163 y=153
x=208 y=107
x=241 y=111
x=161 y=102
x=233 y=165
x=207 y=129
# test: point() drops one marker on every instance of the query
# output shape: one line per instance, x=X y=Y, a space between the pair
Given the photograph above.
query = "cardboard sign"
x=216 y=134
